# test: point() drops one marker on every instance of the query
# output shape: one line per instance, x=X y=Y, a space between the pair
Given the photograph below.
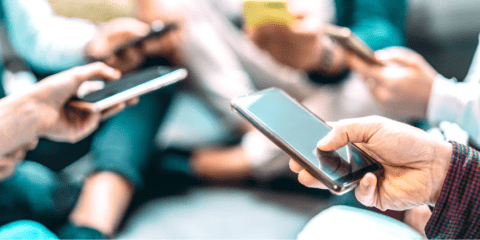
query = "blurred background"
x=444 y=32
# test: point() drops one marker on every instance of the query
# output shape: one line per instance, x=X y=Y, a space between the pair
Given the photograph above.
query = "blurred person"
x=29 y=190
x=228 y=59
x=419 y=169
x=121 y=148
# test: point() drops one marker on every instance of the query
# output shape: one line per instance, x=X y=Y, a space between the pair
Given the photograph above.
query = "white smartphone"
x=297 y=131
x=129 y=86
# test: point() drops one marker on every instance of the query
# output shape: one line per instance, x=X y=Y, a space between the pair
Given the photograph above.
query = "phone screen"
x=296 y=128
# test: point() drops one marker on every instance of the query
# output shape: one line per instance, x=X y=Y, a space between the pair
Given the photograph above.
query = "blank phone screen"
x=301 y=130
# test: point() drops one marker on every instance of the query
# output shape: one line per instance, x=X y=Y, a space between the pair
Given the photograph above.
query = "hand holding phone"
x=296 y=131
x=351 y=42
x=157 y=29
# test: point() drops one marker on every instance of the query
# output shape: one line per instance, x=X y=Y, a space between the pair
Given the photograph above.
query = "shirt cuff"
x=440 y=98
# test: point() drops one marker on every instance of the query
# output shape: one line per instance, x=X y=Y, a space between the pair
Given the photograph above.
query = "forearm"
x=19 y=121
x=49 y=43
x=456 y=212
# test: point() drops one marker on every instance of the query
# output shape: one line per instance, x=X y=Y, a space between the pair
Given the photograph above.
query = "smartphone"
x=157 y=29
x=266 y=12
x=348 y=40
x=296 y=131
x=129 y=86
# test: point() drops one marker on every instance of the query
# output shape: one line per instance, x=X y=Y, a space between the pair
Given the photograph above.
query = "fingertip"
x=294 y=166
x=306 y=179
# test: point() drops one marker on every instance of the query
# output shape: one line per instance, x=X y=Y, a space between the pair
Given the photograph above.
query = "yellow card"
x=265 y=12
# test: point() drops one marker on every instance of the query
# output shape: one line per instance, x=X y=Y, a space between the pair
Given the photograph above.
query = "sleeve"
x=380 y=23
x=49 y=43
x=457 y=103
x=457 y=212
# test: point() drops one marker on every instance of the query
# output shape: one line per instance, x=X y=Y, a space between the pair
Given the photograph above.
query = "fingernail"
x=366 y=184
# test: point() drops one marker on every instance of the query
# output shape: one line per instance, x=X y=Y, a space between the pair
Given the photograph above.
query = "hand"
x=9 y=162
x=169 y=45
x=58 y=120
x=112 y=35
x=297 y=46
x=403 y=86
x=415 y=164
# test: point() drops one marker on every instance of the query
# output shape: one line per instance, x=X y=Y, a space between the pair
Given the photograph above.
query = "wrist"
x=441 y=165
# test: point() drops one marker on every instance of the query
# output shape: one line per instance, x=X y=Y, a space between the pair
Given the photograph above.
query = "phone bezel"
x=338 y=186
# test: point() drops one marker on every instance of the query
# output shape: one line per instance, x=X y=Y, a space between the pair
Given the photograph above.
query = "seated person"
x=29 y=190
x=121 y=147
x=418 y=170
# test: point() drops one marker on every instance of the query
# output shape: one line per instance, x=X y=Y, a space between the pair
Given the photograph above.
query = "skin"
x=169 y=45
x=415 y=164
x=403 y=86
x=300 y=46
x=114 y=34
x=43 y=111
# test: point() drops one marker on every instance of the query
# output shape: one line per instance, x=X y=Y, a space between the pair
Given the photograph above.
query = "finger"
x=130 y=59
x=366 y=190
x=95 y=71
x=17 y=154
x=32 y=144
x=294 y=166
x=133 y=102
x=358 y=130
x=113 y=111
x=90 y=86
x=308 y=180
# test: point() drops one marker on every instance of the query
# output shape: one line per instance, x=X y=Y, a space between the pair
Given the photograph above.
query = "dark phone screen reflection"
x=302 y=130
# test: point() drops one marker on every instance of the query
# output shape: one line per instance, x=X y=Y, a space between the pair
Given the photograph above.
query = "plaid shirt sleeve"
x=457 y=211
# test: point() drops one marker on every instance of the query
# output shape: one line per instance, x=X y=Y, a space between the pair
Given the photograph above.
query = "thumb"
x=359 y=130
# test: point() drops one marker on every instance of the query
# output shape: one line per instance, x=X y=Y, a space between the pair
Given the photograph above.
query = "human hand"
x=298 y=46
x=415 y=164
x=9 y=162
x=402 y=87
x=169 y=45
x=111 y=35
x=60 y=121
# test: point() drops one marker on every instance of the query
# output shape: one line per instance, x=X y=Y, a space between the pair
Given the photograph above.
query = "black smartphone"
x=348 y=40
x=157 y=29
x=297 y=131
x=129 y=86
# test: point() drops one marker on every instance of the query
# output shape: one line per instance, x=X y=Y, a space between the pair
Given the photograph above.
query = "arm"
x=456 y=212
x=48 y=42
